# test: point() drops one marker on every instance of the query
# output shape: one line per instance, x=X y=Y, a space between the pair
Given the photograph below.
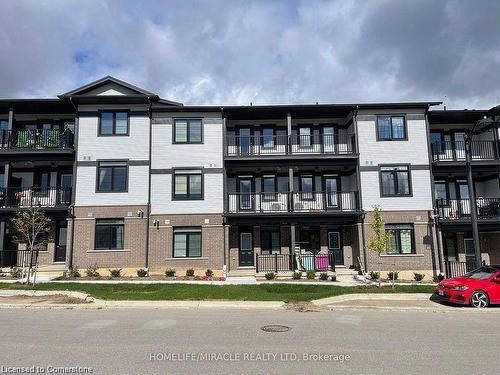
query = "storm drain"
x=275 y=328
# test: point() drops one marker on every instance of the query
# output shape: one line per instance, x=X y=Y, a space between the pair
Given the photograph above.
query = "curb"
x=95 y=303
x=372 y=296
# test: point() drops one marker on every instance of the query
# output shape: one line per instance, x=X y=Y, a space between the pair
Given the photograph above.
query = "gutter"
x=148 y=210
x=73 y=187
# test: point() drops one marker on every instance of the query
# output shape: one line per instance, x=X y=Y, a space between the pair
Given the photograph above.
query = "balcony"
x=298 y=202
x=280 y=145
x=53 y=197
x=454 y=151
x=28 y=140
x=460 y=209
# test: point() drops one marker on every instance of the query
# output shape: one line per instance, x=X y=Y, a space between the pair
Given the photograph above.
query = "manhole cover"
x=275 y=328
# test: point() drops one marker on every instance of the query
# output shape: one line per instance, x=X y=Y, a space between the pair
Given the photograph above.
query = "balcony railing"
x=322 y=144
x=37 y=140
x=286 y=262
x=455 y=150
x=300 y=202
x=452 y=209
x=39 y=197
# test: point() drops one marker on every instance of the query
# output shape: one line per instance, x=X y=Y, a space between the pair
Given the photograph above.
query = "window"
x=402 y=239
x=307 y=187
x=391 y=128
x=395 y=181
x=113 y=123
x=188 y=184
x=268 y=137
x=437 y=144
x=188 y=131
x=187 y=242
x=269 y=187
x=112 y=176
x=109 y=234
x=270 y=241
x=305 y=137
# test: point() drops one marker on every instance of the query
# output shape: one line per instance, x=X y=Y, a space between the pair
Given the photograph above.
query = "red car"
x=479 y=288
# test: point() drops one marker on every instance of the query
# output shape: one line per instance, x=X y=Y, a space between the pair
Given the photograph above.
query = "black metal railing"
x=302 y=262
x=455 y=150
x=334 y=144
x=292 y=202
x=35 y=139
x=39 y=197
x=486 y=208
x=458 y=268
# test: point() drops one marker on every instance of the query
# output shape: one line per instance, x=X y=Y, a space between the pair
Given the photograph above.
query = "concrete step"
x=241 y=272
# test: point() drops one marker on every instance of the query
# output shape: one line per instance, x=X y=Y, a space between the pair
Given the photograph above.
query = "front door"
x=246 y=250
x=335 y=247
x=61 y=236
x=459 y=145
x=329 y=141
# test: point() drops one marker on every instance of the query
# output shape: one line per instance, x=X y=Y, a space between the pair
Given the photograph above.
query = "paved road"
x=136 y=341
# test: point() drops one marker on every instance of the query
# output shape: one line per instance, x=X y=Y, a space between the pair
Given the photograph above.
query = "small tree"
x=29 y=225
x=380 y=239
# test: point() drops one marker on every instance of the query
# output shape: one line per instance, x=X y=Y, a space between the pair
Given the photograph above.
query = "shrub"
x=141 y=272
x=209 y=273
x=418 y=276
x=74 y=272
x=170 y=272
x=297 y=275
x=392 y=275
x=438 y=278
x=190 y=272
x=270 y=276
x=15 y=272
x=374 y=275
x=115 y=272
x=92 y=271
x=311 y=274
x=323 y=276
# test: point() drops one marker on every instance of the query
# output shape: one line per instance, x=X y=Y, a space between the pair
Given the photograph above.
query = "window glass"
x=112 y=176
x=305 y=137
x=195 y=130
x=268 y=137
x=398 y=128
x=109 y=234
x=384 y=127
x=121 y=126
x=440 y=191
x=187 y=242
x=181 y=131
x=270 y=241
x=106 y=123
x=188 y=184
x=395 y=180
x=401 y=238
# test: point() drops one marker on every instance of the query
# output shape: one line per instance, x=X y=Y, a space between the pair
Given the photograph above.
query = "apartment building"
x=132 y=181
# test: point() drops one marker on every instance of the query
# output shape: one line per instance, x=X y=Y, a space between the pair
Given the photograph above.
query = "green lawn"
x=262 y=292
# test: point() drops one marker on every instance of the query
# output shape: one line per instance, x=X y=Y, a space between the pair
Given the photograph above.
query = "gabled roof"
x=105 y=81
x=117 y=90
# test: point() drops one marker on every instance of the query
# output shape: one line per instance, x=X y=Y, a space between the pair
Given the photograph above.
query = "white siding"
x=161 y=196
x=92 y=148
x=421 y=199
x=166 y=154
x=413 y=151
x=137 y=188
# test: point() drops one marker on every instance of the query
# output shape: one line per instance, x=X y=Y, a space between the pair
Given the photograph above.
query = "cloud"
x=236 y=52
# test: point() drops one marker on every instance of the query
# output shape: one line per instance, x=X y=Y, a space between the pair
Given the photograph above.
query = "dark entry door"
x=245 y=141
x=61 y=236
x=65 y=192
x=246 y=193
x=334 y=246
x=246 y=249
x=331 y=186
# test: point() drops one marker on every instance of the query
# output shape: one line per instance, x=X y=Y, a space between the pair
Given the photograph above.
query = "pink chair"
x=322 y=262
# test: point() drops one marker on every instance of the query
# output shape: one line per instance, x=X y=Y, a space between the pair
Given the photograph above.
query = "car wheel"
x=479 y=299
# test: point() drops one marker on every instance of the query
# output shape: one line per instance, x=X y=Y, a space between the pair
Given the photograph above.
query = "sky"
x=264 y=52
